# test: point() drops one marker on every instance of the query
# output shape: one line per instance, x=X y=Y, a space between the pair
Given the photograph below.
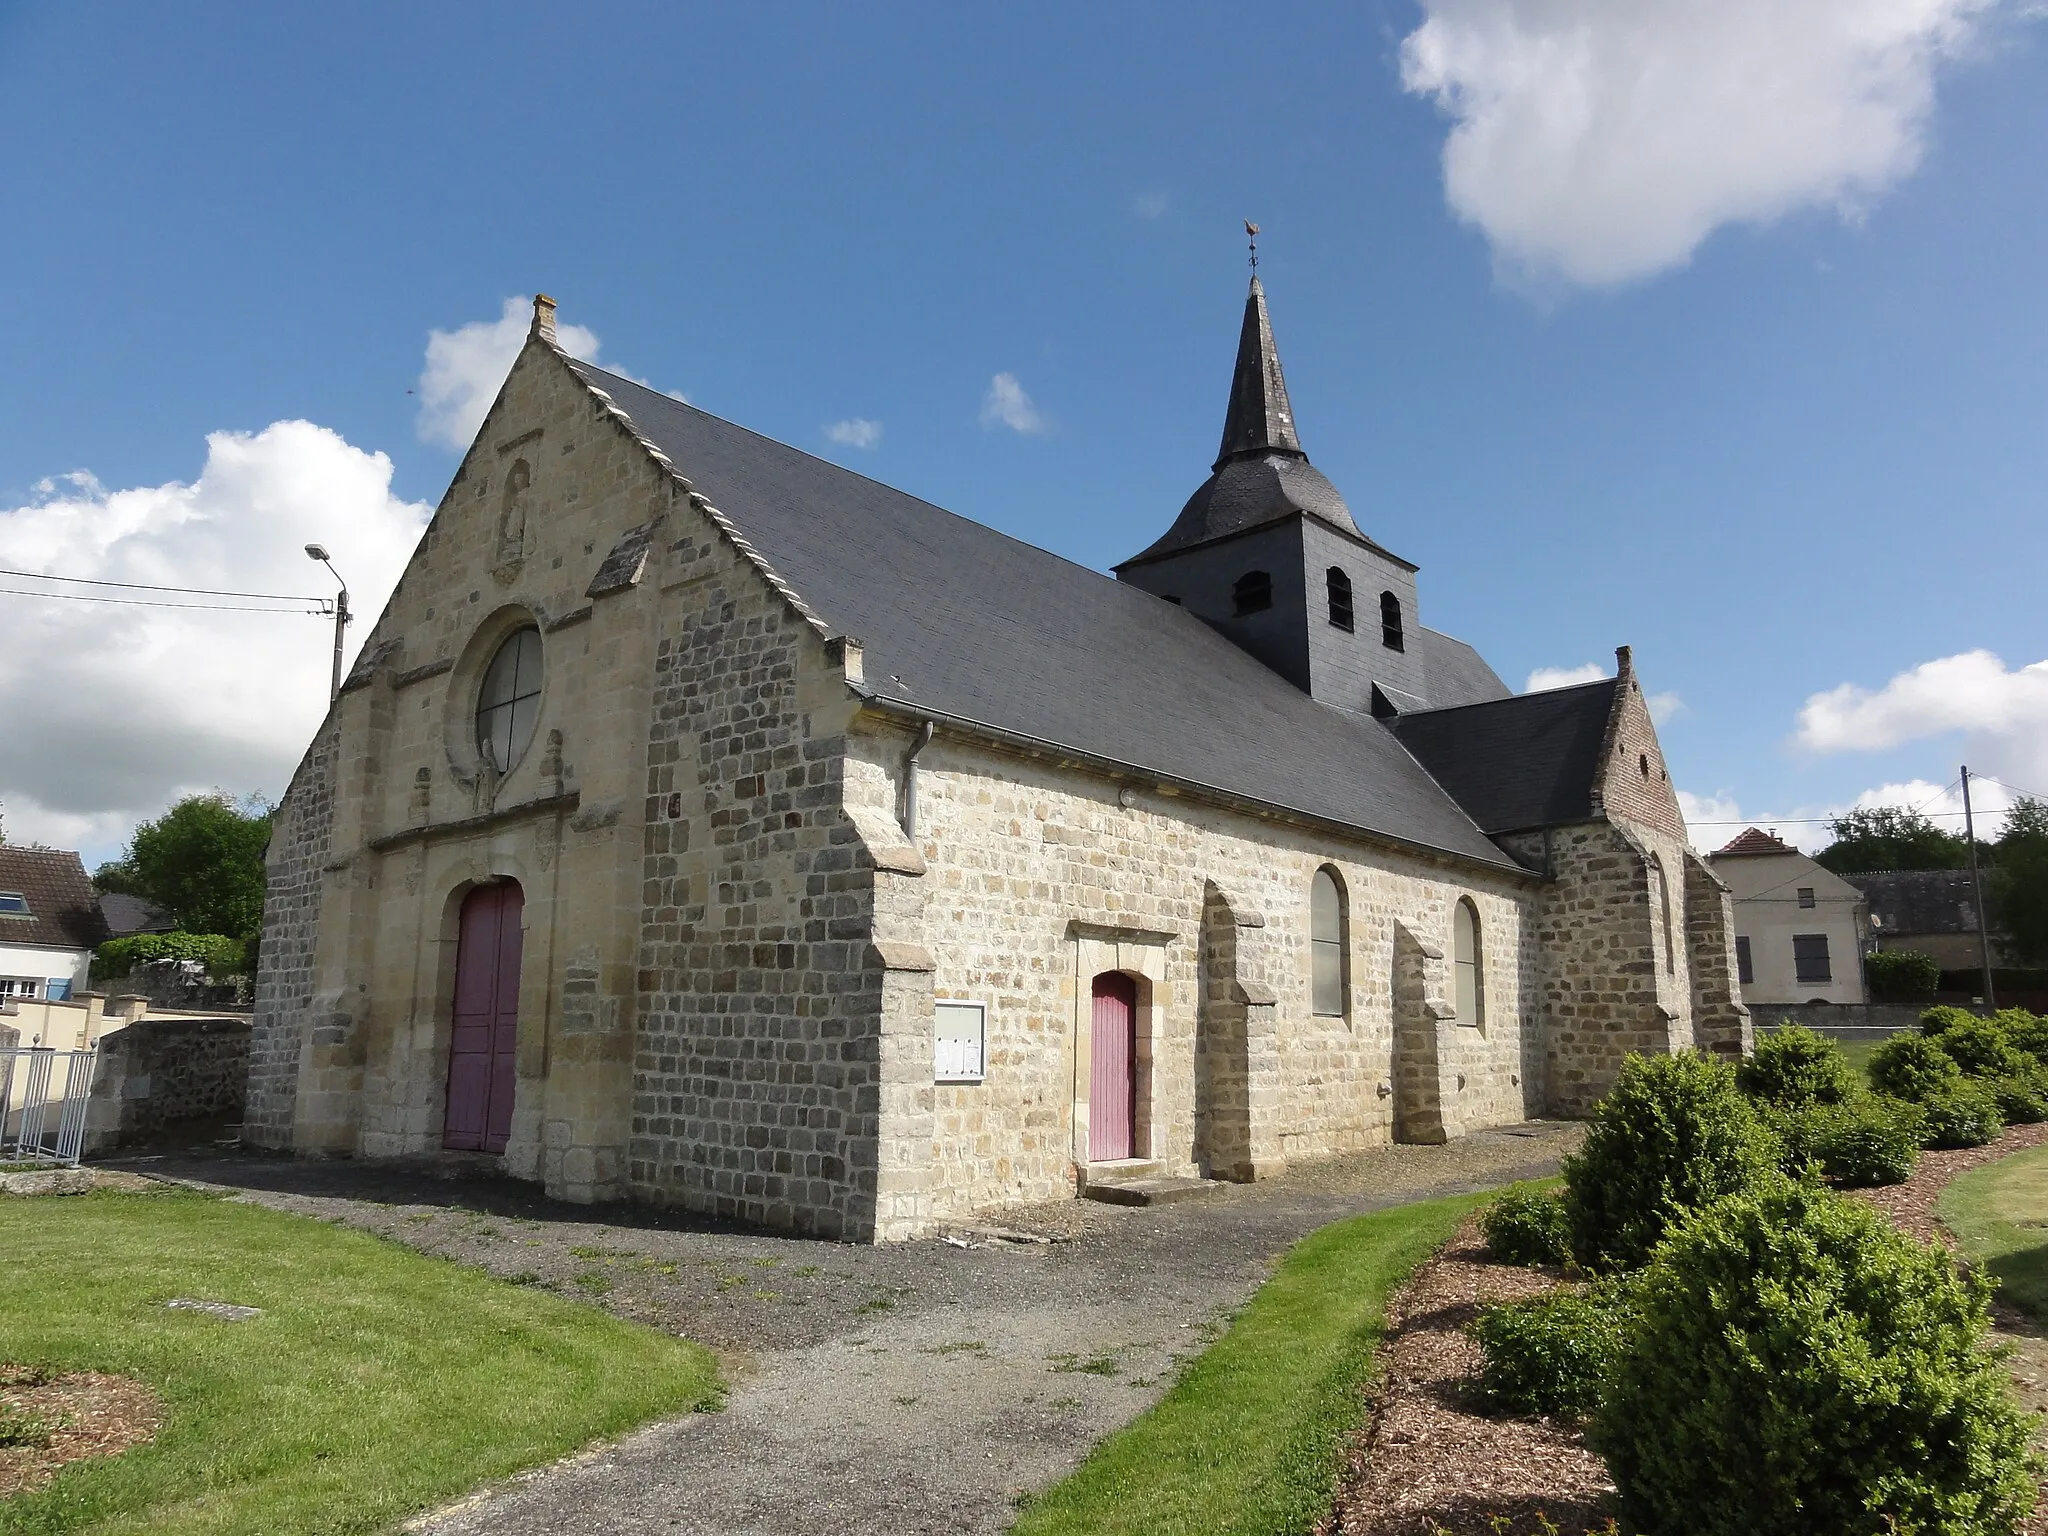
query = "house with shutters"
x=706 y=824
x=1800 y=928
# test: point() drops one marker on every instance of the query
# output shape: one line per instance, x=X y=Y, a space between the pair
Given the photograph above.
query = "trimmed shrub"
x=1553 y=1353
x=1874 y=1141
x=2028 y=1032
x=1911 y=1067
x=119 y=957
x=1674 y=1133
x=1800 y=1130
x=1943 y=1016
x=1964 y=1114
x=1980 y=1048
x=2022 y=1096
x=1902 y=975
x=1793 y=1065
x=1527 y=1226
x=1791 y=1364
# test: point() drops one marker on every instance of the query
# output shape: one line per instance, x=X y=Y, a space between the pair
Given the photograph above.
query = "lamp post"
x=341 y=614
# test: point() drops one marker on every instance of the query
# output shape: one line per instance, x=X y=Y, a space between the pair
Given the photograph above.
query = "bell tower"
x=1267 y=552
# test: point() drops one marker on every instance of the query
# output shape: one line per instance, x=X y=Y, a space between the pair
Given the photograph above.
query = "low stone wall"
x=1833 y=1018
x=158 y=1072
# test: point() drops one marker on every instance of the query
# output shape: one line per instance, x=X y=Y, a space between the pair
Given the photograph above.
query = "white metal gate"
x=43 y=1094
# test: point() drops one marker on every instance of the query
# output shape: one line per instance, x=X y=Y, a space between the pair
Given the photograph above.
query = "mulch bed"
x=88 y=1414
x=1431 y=1461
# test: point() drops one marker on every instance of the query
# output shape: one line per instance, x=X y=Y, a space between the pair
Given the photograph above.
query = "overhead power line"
x=147 y=586
x=319 y=610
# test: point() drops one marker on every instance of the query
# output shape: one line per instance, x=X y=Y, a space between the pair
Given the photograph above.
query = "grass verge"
x=1999 y=1214
x=1248 y=1440
x=377 y=1382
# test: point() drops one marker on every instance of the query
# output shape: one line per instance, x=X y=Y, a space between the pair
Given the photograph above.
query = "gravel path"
x=876 y=1391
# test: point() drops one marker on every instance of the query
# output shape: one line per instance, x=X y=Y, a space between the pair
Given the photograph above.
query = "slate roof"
x=1752 y=841
x=63 y=908
x=131 y=914
x=958 y=620
x=1454 y=673
x=1528 y=760
x=1907 y=901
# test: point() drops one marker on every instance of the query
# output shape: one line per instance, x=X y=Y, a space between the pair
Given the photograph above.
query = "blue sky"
x=1725 y=338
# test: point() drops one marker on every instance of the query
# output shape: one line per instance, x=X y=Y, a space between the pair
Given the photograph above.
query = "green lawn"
x=1247 y=1441
x=378 y=1381
x=1859 y=1052
x=1999 y=1214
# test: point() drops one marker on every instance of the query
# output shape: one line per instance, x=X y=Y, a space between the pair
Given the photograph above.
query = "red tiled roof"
x=1754 y=841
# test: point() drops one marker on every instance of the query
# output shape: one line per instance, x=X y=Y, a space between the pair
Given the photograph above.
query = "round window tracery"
x=508 y=703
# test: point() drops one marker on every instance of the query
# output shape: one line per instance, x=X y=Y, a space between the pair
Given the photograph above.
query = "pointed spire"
x=1260 y=419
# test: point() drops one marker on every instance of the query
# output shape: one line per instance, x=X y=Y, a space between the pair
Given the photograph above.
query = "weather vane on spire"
x=1252 y=230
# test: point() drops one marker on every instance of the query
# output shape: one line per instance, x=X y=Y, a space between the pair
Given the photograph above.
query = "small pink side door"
x=1111 y=1081
x=482 y=1050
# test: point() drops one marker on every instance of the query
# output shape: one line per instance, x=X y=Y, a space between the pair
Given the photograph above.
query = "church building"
x=706 y=824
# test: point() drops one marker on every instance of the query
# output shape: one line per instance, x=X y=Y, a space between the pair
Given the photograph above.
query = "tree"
x=1885 y=837
x=201 y=861
x=2019 y=886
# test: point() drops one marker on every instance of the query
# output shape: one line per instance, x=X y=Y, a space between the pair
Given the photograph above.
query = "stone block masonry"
x=299 y=842
x=157 y=1073
x=757 y=1067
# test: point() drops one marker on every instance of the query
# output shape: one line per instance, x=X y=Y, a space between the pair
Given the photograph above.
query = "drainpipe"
x=918 y=743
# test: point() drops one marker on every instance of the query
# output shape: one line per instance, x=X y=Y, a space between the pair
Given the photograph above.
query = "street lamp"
x=341 y=614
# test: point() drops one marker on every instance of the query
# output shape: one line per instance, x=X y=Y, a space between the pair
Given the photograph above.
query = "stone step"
x=1122 y=1170
x=1149 y=1191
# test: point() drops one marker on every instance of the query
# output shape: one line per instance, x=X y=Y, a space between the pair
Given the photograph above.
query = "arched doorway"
x=1112 y=1075
x=482 y=1044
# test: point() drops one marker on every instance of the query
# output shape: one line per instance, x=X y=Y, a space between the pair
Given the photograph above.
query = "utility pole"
x=1977 y=891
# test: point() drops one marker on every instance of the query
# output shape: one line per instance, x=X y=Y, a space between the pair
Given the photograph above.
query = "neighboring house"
x=130 y=915
x=705 y=823
x=1933 y=911
x=1800 y=929
x=50 y=923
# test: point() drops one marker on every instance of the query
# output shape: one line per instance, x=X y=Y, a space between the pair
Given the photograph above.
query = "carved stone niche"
x=512 y=510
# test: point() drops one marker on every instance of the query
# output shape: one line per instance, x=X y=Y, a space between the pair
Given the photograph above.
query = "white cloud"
x=1709 y=819
x=1599 y=141
x=1150 y=205
x=1663 y=706
x=1007 y=405
x=117 y=710
x=855 y=432
x=2000 y=714
x=1545 y=678
x=466 y=366
x=1969 y=692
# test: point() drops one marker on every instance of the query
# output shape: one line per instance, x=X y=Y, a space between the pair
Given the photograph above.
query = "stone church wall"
x=1039 y=875
x=291 y=914
x=758 y=1066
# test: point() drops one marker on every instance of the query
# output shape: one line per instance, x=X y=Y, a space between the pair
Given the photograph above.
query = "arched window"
x=1390 y=623
x=1340 y=599
x=1466 y=961
x=1661 y=890
x=1251 y=593
x=1326 y=946
x=508 y=703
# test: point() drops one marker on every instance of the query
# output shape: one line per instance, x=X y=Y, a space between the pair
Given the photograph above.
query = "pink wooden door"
x=1111 y=1083
x=481 y=1050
